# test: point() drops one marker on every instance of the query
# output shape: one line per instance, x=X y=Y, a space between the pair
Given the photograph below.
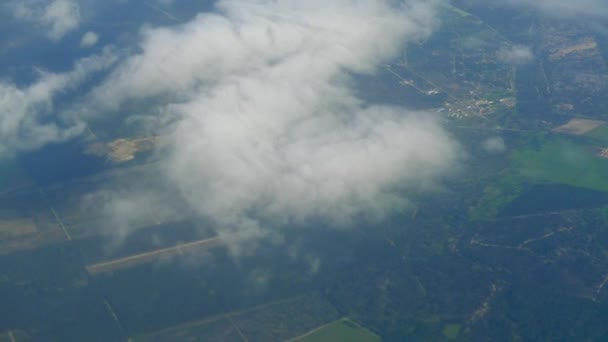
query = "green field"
x=497 y=195
x=452 y=331
x=553 y=159
x=563 y=161
x=341 y=330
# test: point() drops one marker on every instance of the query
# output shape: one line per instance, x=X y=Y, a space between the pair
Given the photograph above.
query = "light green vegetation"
x=561 y=160
x=497 y=195
x=452 y=331
x=341 y=330
x=565 y=160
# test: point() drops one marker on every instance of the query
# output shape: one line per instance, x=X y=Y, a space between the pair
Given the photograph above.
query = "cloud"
x=28 y=120
x=494 y=145
x=266 y=131
x=57 y=17
x=516 y=55
x=89 y=39
x=248 y=36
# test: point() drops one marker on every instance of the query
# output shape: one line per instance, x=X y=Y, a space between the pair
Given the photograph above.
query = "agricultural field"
x=340 y=330
x=275 y=321
x=563 y=161
x=576 y=160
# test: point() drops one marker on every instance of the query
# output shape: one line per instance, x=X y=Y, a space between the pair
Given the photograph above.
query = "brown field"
x=17 y=227
x=19 y=233
x=587 y=45
x=579 y=126
x=122 y=150
x=30 y=242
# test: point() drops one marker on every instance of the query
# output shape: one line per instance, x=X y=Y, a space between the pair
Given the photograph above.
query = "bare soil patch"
x=579 y=126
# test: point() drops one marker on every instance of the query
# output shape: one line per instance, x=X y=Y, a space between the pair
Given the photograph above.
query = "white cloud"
x=267 y=130
x=494 y=145
x=89 y=39
x=28 y=120
x=57 y=17
x=516 y=55
x=248 y=36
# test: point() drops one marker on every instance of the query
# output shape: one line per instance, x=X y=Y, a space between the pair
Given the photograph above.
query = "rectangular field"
x=341 y=330
x=579 y=126
x=275 y=321
x=17 y=227
x=563 y=161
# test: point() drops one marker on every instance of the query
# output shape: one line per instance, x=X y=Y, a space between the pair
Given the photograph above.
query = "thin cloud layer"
x=516 y=55
x=494 y=145
x=89 y=39
x=57 y=17
x=267 y=131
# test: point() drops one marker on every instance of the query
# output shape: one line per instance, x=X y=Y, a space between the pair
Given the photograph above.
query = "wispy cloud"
x=516 y=55
x=89 y=39
x=57 y=17
x=28 y=120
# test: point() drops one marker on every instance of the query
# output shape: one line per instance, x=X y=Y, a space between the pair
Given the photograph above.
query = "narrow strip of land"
x=518 y=217
x=143 y=257
x=546 y=236
x=57 y=218
x=60 y=223
x=600 y=287
x=112 y=313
